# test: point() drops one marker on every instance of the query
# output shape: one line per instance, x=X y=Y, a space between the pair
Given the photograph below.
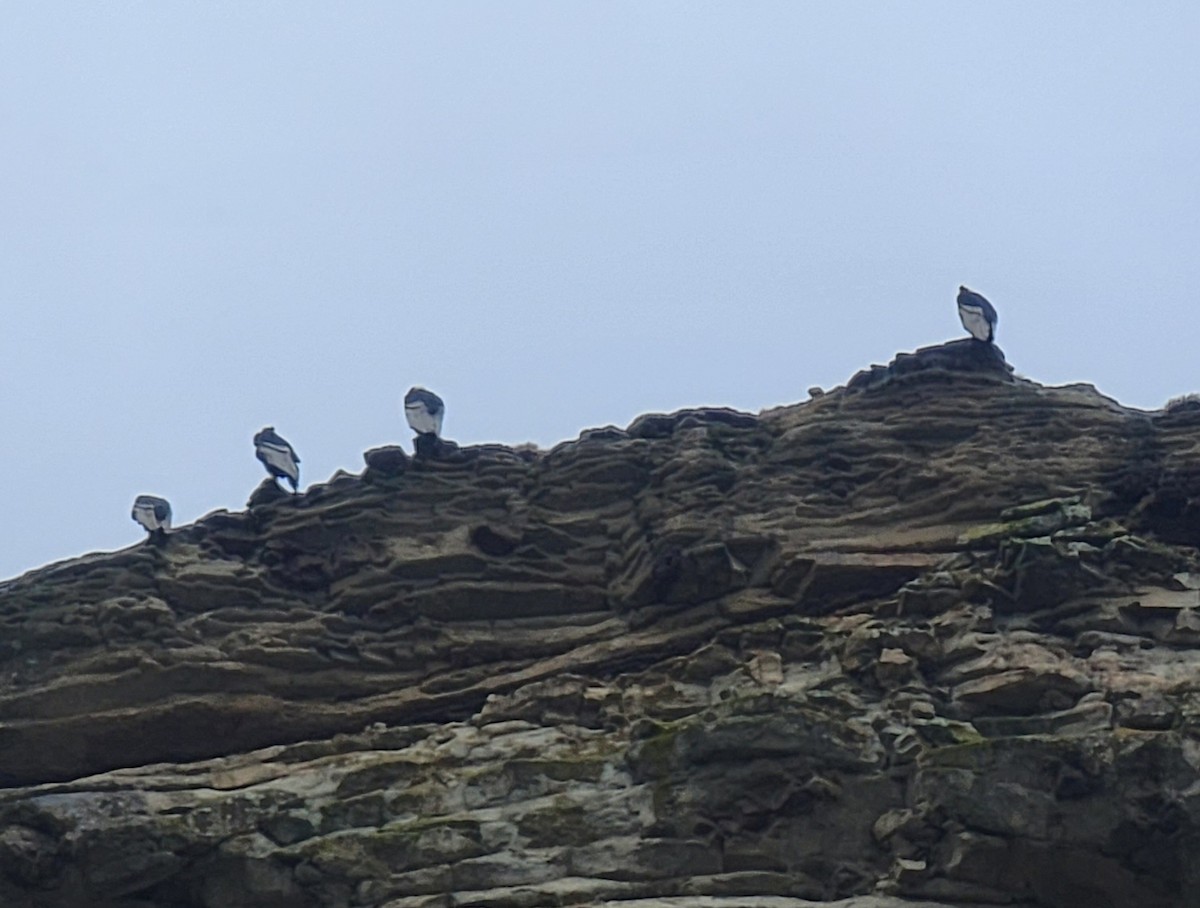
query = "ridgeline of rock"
x=928 y=639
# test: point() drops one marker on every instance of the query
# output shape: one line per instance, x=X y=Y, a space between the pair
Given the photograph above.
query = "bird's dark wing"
x=431 y=401
x=978 y=301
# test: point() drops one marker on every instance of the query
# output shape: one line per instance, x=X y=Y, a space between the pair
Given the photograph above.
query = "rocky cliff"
x=927 y=639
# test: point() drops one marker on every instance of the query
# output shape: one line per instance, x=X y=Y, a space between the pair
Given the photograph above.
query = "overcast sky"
x=216 y=216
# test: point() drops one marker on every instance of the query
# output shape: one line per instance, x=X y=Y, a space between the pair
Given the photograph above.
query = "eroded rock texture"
x=929 y=639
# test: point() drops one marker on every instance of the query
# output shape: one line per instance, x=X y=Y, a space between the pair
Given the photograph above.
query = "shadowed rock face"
x=927 y=639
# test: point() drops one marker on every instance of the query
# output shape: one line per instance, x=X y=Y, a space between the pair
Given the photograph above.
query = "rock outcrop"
x=928 y=639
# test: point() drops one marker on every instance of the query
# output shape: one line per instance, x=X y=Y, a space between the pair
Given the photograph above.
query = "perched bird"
x=424 y=411
x=977 y=314
x=277 y=456
x=154 y=514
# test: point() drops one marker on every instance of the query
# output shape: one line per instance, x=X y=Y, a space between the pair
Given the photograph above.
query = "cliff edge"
x=928 y=639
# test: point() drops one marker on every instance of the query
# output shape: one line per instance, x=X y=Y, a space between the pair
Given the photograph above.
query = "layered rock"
x=928 y=638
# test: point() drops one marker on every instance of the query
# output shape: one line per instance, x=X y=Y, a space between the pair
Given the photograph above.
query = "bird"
x=277 y=456
x=424 y=411
x=977 y=314
x=154 y=514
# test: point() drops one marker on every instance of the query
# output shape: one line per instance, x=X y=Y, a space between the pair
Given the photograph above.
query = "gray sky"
x=216 y=216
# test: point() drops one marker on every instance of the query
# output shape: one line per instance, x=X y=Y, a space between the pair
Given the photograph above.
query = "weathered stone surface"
x=390 y=460
x=931 y=639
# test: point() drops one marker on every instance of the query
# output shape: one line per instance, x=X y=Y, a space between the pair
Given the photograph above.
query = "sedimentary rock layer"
x=926 y=639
